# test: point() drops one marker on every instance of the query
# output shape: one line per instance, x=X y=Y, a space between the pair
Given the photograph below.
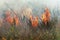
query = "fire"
x=12 y=20
x=16 y=20
x=46 y=16
x=34 y=21
x=9 y=19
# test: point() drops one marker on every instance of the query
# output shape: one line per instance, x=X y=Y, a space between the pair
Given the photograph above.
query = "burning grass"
x=31 y=29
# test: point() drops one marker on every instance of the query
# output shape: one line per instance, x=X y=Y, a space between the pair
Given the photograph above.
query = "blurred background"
x=21 y=8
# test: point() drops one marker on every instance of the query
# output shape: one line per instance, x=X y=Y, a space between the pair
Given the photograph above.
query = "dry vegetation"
x=28 y=26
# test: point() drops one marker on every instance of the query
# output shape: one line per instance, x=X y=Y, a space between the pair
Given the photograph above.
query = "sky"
x=16 y=3
x=51 y=3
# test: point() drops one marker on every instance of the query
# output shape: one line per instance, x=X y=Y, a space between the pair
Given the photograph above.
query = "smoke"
x=37 y=6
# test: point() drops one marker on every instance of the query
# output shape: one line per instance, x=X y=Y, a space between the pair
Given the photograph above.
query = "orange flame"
x=34 y=21
x=8 y=17
x=46 y=16
x=16 y=20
